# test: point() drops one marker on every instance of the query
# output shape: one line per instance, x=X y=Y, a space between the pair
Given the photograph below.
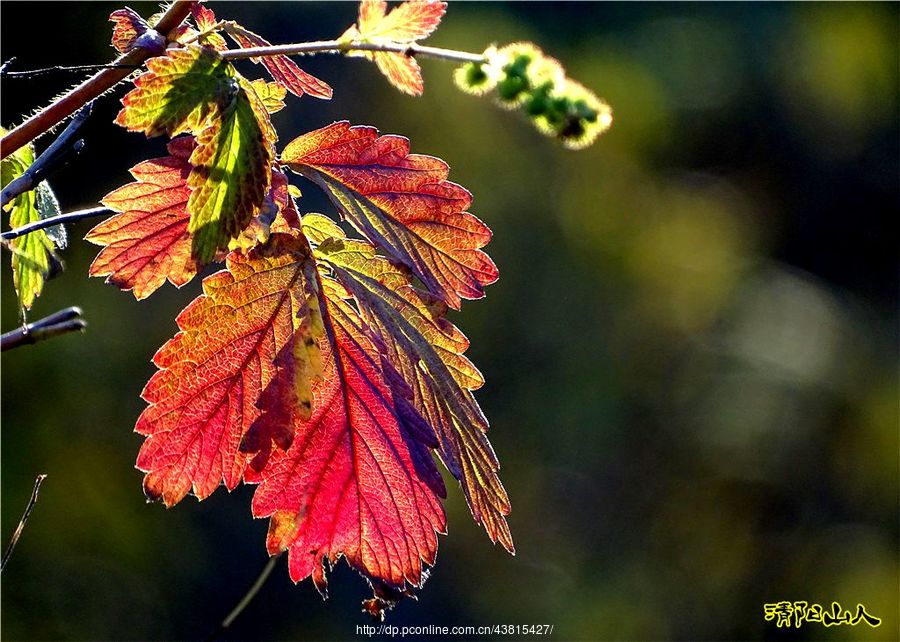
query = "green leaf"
x=179 y=92
x=31 y=254
x=231 y=172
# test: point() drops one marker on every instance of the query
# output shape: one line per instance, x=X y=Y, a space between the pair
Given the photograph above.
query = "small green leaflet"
x=32 y=254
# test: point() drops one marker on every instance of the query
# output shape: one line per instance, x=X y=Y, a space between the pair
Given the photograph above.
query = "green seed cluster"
x=523 y=78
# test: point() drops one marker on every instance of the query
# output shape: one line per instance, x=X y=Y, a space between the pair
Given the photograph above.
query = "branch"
x=95 y=85
x=337 y=46
x=51 y=158
x=18 y=533
x=62 y=322
x=248 y=596
x=68 y=217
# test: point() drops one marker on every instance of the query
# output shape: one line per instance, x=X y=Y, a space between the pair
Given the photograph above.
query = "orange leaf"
x=127 y=28
x=410 y=21
x=148 y=241
x=402 y=71
x=204 y=398
x=413 y=20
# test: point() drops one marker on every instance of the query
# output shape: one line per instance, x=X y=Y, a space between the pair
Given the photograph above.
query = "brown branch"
x=93 y=86
x=51 y=158
x=18 y=533
x=62 y=322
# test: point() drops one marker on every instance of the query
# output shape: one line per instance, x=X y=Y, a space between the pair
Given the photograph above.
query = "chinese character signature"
x=787 y=614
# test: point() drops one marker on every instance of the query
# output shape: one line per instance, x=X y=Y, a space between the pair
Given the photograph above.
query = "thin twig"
x=68 y=217
x=93 y=86
x=248 y=596
x=18 y=533
x=51 y=158
x=337 y=46
x=62 y=322
x=31 y=73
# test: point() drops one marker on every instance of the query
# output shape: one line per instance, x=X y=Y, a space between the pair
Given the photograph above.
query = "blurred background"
x=691 y=354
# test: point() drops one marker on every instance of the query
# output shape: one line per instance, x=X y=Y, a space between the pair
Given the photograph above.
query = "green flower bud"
x=524 y=77
x=480 y=78
x=538 y=102
x=588 y=117
x=472 y=79
x=512 y=91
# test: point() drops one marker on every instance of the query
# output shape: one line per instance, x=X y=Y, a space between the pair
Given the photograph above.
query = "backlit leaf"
x=179 y=92
x=32 y=254
x=194 y=90
x=358 y=480
x=427 y=352
x=271 y=94
x=402 y=203
x=232 y=165
x=411 y=21
x=212 y=373
x=148 y=242
x=402 y=71
x=127 y=28
x=282 y=68
x=206 y=23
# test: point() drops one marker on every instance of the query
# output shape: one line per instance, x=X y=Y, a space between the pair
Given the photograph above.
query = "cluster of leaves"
x=524 y=77
x=320 y=367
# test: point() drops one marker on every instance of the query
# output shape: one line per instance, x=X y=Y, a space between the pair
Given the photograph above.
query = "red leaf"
x=203 y=399
x=203 y=16
x=427 y=351
x=148 y=241
x=401 y=202
x=282 y=68
x=128 y=27
x=359 y=480
x=206 y=23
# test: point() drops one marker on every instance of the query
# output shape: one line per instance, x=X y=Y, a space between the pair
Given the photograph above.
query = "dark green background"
x=691 y=354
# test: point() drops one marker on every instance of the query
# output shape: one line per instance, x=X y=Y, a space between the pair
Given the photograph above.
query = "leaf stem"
x=338 y=46
x=18 y=532
x=62 y=322
x=68 y=217
x=248 y=597
x=93 y=86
